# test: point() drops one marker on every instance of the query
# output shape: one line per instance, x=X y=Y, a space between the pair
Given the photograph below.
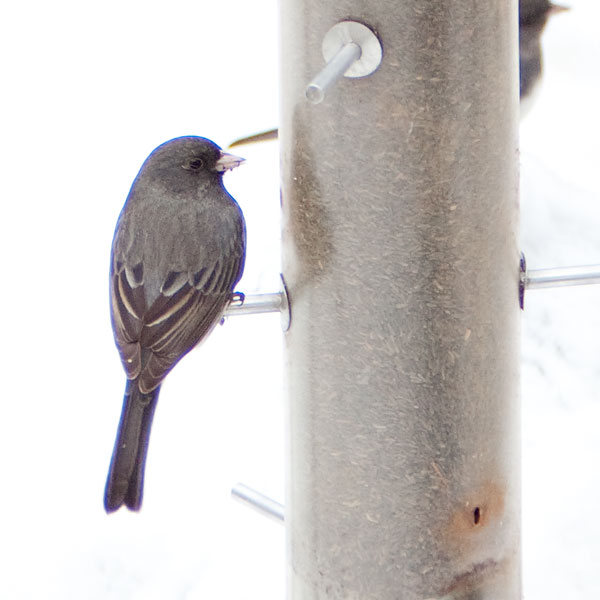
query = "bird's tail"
x=125 y=482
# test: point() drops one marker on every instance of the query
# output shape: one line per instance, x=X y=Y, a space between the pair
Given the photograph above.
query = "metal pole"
x=400 y=204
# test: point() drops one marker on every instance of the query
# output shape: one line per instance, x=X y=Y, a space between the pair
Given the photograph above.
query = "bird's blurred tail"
x=125 y=483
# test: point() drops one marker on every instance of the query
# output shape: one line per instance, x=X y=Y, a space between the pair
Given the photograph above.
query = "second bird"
x=177 y=254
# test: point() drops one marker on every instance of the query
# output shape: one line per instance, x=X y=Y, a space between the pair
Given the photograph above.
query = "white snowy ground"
x=560 y=226
x=87 y=93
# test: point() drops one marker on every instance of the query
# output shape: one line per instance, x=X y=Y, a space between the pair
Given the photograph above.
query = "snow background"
x=560 y=226
x=88 y=91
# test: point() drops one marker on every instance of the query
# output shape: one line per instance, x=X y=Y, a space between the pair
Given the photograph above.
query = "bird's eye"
x=194 y=164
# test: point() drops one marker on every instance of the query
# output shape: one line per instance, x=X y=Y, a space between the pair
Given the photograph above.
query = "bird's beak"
x=557 y=8
x=227 y=162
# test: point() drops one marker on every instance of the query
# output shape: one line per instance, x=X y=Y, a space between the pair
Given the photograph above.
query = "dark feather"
x=125 y=481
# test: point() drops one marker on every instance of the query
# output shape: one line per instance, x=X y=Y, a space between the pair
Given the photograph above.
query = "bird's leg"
x=237 y=297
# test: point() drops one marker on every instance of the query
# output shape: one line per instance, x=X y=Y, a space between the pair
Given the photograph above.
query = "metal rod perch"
x=263 y=504
x=561 y=277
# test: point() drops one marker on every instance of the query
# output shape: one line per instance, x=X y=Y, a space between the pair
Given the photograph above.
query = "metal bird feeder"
x=400 y=255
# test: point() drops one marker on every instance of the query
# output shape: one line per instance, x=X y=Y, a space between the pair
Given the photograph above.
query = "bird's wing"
x=128 y=306
x=179 y=319
x=187 y=308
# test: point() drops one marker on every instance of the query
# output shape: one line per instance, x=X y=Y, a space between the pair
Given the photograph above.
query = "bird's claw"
x=238 y=298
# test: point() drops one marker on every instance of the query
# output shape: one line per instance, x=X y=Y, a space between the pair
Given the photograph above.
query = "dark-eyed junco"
x=533 y=15
x=177 y=254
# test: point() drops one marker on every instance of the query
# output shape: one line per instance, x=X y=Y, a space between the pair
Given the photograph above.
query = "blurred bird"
x=533 y=15
x=177 y=254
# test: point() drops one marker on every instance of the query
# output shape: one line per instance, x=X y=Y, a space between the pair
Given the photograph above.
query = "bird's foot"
x=238 y=298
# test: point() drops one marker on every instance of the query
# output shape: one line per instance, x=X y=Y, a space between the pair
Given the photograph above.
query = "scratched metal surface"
x=400 y=216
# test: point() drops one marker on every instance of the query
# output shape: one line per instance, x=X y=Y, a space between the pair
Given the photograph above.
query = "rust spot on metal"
x=473 y=539
x=478 y=512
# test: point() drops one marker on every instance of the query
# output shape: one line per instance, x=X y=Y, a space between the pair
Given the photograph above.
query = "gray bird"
x=178 y=252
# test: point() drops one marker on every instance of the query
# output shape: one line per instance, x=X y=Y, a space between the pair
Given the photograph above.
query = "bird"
x=178 y=252
x=533 y=15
